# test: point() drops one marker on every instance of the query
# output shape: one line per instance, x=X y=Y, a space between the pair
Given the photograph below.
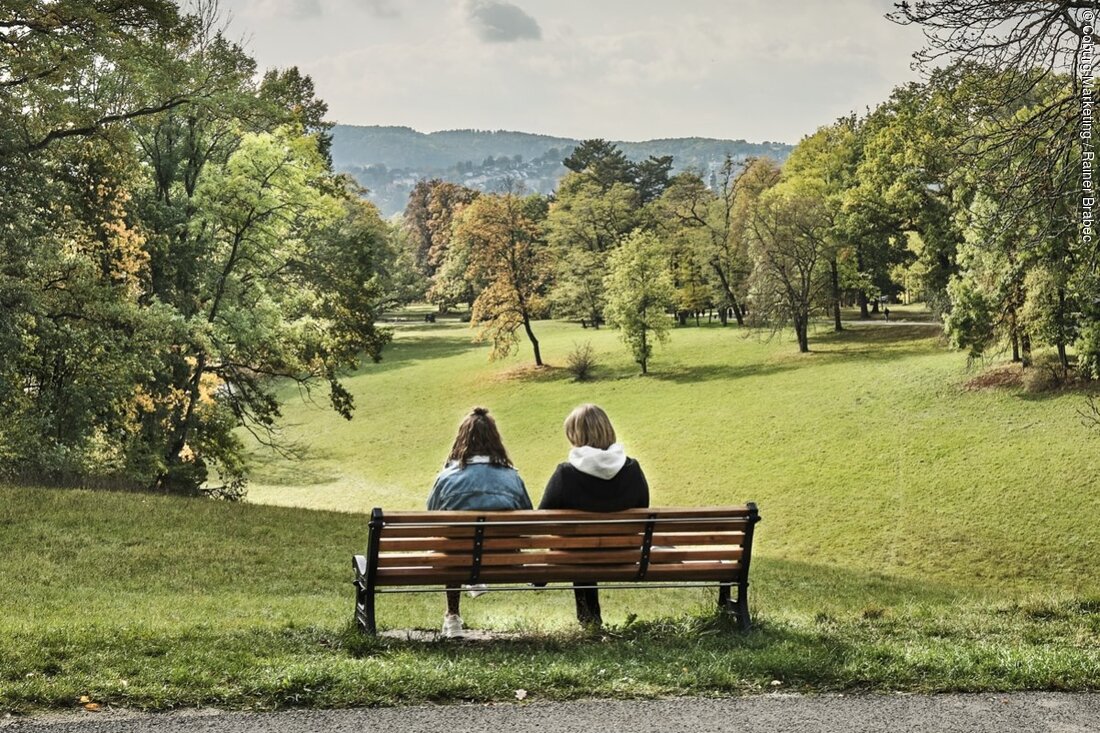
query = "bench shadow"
x=826 y=597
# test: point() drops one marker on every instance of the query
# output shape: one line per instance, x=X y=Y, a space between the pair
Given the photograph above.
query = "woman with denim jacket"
x=478 y=476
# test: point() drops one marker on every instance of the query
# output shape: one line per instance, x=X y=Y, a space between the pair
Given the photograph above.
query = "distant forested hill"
x=390 y=160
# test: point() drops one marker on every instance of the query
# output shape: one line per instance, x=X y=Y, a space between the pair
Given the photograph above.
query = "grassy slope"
x=866 y=454
x=915 y=536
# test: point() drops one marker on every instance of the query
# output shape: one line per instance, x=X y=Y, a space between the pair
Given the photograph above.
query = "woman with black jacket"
x=598 y=477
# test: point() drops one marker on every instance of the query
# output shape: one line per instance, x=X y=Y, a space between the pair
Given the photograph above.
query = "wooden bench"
x=416 y=552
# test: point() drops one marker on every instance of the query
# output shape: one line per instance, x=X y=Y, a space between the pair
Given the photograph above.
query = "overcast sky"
x=617 y=69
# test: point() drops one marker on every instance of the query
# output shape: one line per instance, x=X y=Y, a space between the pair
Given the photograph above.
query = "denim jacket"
x=479 y=485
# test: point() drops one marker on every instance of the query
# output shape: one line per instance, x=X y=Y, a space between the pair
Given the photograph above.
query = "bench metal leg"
x=743 y=619
x=739 y=607
x=364 y=597
x=724 y=605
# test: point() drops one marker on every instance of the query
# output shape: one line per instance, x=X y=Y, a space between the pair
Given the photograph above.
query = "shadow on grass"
x=778 y=585
x=705 y=372
x=404 y=352
x=695 y=654
x=301 y=465
x=877 y=343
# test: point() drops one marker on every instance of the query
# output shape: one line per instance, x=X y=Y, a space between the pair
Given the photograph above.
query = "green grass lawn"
x=916 y=535
x=867 y=454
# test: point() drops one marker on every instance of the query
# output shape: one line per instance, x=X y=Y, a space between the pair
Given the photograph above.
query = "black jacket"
x=569 y=488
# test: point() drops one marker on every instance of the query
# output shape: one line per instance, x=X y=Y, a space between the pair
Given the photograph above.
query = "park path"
x=891 y=713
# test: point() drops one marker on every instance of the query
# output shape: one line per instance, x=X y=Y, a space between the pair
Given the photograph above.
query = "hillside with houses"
x=388 y=161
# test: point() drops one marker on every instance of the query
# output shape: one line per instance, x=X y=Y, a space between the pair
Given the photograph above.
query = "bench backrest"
x=657 y=544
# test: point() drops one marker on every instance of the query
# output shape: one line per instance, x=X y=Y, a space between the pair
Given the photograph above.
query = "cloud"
x=296 y=9
x=495 y=21
x=382 y=8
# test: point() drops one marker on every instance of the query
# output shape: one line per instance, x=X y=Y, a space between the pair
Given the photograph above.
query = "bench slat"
x=529 y=542
x=569 y=530
x=535 y=542
x=657 y=555
x=441 y=560
x=698 y=538
x=513 y=530
x=565 y=515
x=719 y=571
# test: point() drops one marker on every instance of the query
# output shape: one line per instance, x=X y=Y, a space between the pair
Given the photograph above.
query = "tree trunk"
x=835 y=276
x=800 y=328
x=874 y=306
x=1013 y=334
x=682 y=318
x=1063 y=359
x=531 y=337
x=738 y=313
x=181 y=430
x=645 y=352
x=863 y=314
x=724 y=315
x=1025 y=350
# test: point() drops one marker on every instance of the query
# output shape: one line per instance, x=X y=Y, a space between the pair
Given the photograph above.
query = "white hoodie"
x=604 y=464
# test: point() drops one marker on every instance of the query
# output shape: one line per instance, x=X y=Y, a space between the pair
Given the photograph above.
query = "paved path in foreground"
x=983 y=713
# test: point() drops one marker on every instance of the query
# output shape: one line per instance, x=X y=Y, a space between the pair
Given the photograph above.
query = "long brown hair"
x=478 y=436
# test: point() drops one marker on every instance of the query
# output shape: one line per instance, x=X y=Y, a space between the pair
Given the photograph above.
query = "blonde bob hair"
x=589 y=425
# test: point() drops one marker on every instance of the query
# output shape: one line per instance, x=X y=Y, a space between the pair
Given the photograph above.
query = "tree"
x=829 y=157
x=69 y=68
x=586 y=222
x=1035 y=57
x=988 y=294
x=790 y=250
x=906 y=181
x=601 y=162
x=721 y=218
x=73 y=254
x=640 y=294
x=175 y=240
x=651 y=177
x=430 y=214
x=506 y=250
x=256 y=215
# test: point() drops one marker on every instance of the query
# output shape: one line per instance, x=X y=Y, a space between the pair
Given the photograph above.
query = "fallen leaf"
x=92 y=707
x=521 y=694
x=776 y=683
x=85 y=698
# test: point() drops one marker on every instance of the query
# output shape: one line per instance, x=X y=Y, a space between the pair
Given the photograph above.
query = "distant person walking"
x=478 y=475
x=598 y=477
x=886 y=312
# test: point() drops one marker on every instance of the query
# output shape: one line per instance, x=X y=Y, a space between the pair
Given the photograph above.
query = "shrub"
x=581 y=361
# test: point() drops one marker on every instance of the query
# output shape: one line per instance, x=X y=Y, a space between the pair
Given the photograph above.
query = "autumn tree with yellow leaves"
x=507 y=251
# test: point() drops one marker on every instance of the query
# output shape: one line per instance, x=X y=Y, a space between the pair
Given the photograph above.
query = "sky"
x=616 y=69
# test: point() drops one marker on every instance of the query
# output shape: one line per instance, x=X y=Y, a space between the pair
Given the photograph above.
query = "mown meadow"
x=918 y=533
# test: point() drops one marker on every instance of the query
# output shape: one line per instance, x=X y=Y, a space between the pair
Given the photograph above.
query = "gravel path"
x=981 y=713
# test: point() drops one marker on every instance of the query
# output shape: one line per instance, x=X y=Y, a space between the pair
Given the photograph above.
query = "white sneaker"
x=476 y=590
x=452 y=625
